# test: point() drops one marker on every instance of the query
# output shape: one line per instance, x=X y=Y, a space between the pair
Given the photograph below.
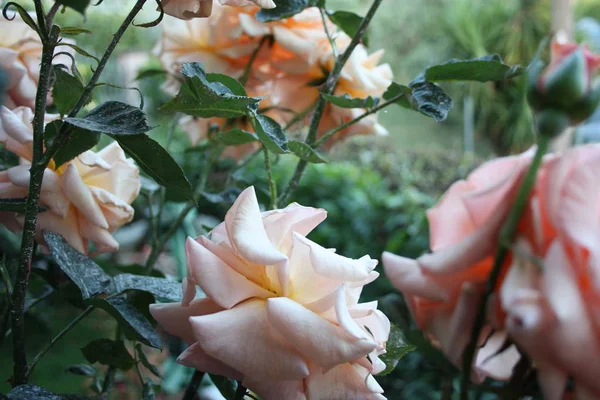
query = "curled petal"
x=406 y=275
x=82 y=198
x=195 y=357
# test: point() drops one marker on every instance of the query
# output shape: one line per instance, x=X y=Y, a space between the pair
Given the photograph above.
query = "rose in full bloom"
x=87 y=198
x=189 y=9
x=554 y=309
x=443 y=288
x=281 y=313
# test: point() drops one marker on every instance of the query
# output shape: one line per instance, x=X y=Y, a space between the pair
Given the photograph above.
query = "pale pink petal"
x=244 y=3
x=281 y=224
x=274 y=390
x=406 y=276
x=346 y=381
x=81 y=197
x=195 y=357
x=67 y=227
x=220 y=282
x=242 y=337
x=188 y=9
x=316 y=338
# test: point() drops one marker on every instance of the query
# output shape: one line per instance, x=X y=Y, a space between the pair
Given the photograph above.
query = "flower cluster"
x=279 y=313
x=294 y=57
x=87 y=198
x=547 y=300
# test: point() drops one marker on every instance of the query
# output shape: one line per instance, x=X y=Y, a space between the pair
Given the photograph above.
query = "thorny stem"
x=20 y=369
x=507 y=234
x=192 y=389
x=272 y=185
x=39 y=162
x=373 y=110
x=71 y=325
x=328 y=88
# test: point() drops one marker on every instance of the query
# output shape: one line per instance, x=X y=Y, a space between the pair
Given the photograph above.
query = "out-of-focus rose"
x=443 y=288
x=189 y=9
x=87 y=198
x=554 y=310
x=20 y=57
x=281 y=313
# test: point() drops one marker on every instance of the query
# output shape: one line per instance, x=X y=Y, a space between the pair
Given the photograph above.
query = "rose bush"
x=281 y=314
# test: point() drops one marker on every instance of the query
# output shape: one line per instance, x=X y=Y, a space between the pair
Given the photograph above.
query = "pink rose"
x=554 y=311
x=443 y=288
x=281 y=313
x=87 y=198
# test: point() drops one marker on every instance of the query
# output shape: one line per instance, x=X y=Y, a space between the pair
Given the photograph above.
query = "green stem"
x=39 y=12
x=192 y=389
x=300 y=116
x=109 y=378
x=272 y=185
x=372 y=111
x=71 y=325
x=507 y=235
x=328 y=88
x=248 y=69
x=20 y=370
x=334 y=49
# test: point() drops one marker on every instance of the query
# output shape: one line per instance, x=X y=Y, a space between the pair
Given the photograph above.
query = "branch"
x=507 y=234
x=71 y=325
x=328 y=88
x=192 y=389
x=272 y=185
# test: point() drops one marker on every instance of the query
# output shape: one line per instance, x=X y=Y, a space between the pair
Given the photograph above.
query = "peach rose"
x=554 y=312
x=443 y=288
x=281 y=313
x=189 y=9
x=20 y=57
x=87 y=198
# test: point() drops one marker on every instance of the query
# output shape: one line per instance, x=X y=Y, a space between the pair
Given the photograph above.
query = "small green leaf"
x=13 y=205
x=483 y=69
x=284 y=9
x=305 y=152
x=145 y=362
x=66 y=90
x=395 y=350
x=270 y=133
x=425 y=97
x=231 y=83
x=79 y=50
x=80 y=140
x=348 y=22
x=73 y=31
x=113 y=117
x=77 y=5
x=134 y=324
x=150 y=73
x=160 y=287
x=346 y=101
x=82 y=369
x=108 y=352
x=83 y=271
x=155 y=161
x=201 y=97
x=236 y=137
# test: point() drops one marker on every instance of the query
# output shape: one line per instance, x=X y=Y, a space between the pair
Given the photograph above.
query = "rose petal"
x=195 y=357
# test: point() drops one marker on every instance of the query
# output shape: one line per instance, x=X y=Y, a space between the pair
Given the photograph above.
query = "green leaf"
x=201 y=97
x=66 y=90
x=284 y=9
x=134 y=324
x=77 y=5
x=305 y=152
x=108 y=352
x=270 y=133
x=422 y=96
x=155 y=161
x=150 y=73
x=483 y=69
x=73 y=31
x=348 y=22
x=236 y=137
x=145 y=362
x=395 y=350
x=83 y=271
x=32 y=392
x=231 y=83
x=79 y=50
x=346 y=101
x=113 y=117
x=13 y=205
x=160 y=287
x=82 y=369
x=80 y=140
